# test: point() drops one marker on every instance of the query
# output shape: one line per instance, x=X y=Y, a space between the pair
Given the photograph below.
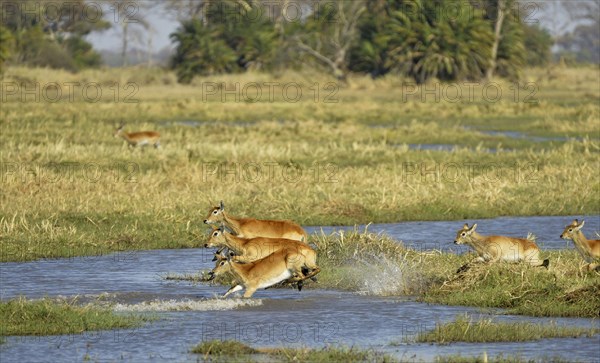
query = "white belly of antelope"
x=272 y=281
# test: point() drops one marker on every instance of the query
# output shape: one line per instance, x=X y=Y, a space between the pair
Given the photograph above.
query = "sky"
x=162 y=26
x=551 y=17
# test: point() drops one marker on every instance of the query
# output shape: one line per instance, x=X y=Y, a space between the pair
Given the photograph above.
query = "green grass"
x=69 y=188
x=236 y=351
x=486 y=330
x=228 y=347
x=47 y=317
x=378 y=265
x=562 y=290
x=496 y=359
x=375 y=264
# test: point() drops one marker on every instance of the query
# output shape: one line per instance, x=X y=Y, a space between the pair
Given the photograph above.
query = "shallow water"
x=440 y=235
x=524 y=136
x=190 y=313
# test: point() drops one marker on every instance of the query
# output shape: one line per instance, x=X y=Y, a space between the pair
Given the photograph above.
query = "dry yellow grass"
x=70 y=188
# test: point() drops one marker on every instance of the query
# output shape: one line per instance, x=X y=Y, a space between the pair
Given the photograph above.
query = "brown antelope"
x=250 y=227
x=218 y=257
x=141 y=138
x=252 y=249
x=495 y=248
x=266 y=272
x=588 y=248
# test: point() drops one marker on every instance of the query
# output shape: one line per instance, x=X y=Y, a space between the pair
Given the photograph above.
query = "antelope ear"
x=473 y=228
x=578 y=227
x=222 y=227
x=221 y=206
x=575 y=222
x=466 y=226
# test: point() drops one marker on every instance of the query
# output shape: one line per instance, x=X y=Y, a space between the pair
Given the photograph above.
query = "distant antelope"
x=588 y=248
x=250 y=227
x=273 y=269
x=495 y=248
x=141 y=138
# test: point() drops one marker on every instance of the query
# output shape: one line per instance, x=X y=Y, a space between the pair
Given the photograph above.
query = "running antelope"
x=250 y=227
x=218 y=257
x=495 y=248
x=273 y=269
x=252 y=249
x=141 y=138
x=588 y=248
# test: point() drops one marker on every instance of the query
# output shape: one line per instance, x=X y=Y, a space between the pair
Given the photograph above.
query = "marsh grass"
x=69 y=188
x=501 y=358
x=374 y=264
x=486 y=330
x=562 y=290
x=48 y=317
x=237 y=351
x=226 y=347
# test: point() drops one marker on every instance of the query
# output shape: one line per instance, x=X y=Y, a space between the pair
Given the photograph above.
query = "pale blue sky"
x=552 y=17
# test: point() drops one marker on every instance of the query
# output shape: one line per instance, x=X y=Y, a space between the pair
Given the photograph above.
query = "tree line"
x=445 y=39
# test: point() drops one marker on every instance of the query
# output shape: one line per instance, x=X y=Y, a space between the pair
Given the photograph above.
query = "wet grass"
x=231 y=348
x=236 y=351
x=497 y=359
x=48 y=317
x=69 y=188
x=562 y=290
x=375 y=264
x=486 y=330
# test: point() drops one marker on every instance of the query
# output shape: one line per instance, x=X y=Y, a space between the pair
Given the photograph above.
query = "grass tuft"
x=561 y=291
x=237 y=351
x=486 y=330
x=47 y=317
x=497 y=359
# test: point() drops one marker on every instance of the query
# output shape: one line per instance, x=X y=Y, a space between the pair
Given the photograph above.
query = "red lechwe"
x=588 y=248
x=141 y=138
x=496 y=248
x=266 y=272
x=250 y=227
x=253 y=249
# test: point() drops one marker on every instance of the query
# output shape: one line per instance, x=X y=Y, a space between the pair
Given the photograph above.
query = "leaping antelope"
x=266 y=272
x=495 y=248
x=250 y=227
x=589 y=249
x=140 y=138
x=252 y=249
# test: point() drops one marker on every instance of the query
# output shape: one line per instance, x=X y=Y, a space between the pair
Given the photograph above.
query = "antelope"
x=589 y=249
x=495 y=248
x=250 y=227
x=218 y=257
x=252 y=249
x=260 y=274
x=141 y=138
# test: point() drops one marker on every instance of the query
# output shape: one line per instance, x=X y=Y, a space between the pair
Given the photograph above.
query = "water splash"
x=381 y=276
x=187 y=305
